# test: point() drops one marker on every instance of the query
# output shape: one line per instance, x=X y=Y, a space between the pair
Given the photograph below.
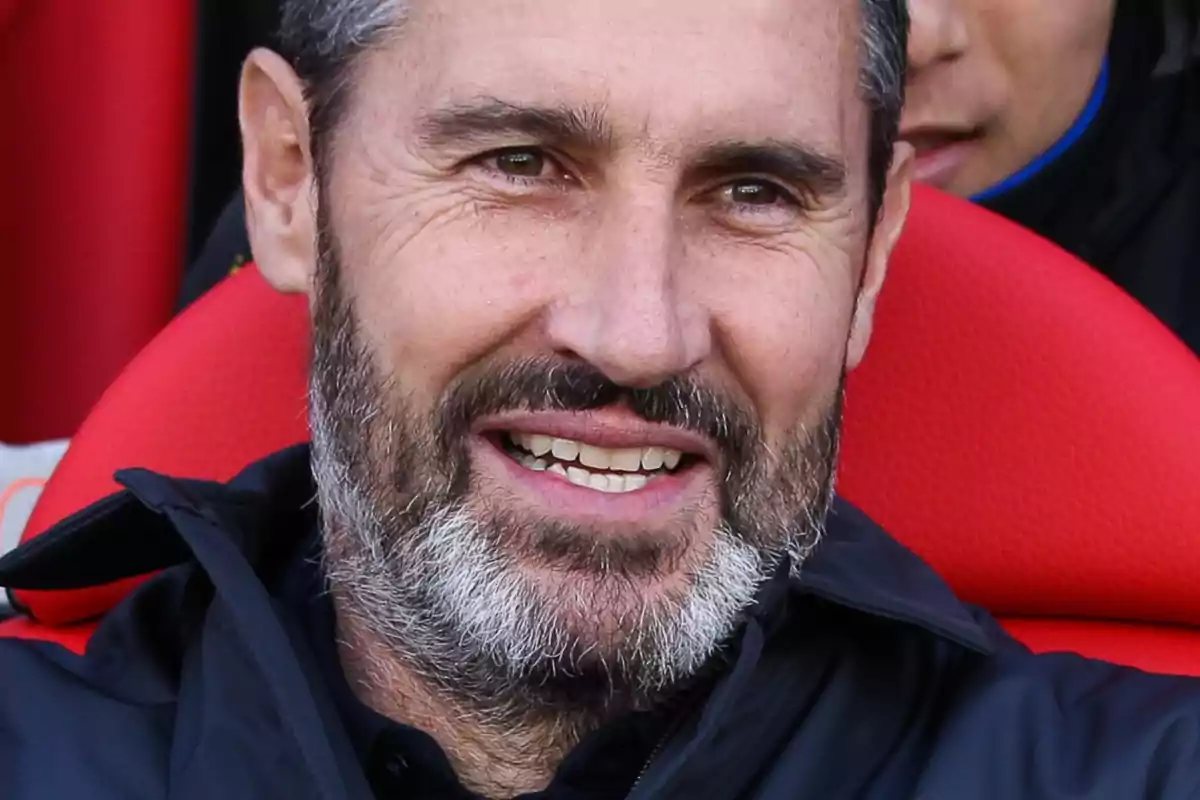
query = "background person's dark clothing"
x=1125 y=197
x=226 y=32
x=225 y=252
x=865 y=677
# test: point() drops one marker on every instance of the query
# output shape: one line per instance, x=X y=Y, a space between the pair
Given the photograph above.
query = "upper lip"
x=601 y=430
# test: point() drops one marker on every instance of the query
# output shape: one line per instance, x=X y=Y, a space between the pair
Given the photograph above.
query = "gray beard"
x=453 y=607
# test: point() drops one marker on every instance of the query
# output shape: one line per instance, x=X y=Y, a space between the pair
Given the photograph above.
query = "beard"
x=454 y=586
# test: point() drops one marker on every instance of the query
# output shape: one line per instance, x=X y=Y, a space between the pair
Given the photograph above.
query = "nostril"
x=569 y=355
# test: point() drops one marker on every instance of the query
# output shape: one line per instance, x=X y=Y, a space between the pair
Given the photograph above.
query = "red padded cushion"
x=223 y=385
x=96 y=109
x=1028 y=428
x=1018 y=421
x=1166 y=649
x=73 y=637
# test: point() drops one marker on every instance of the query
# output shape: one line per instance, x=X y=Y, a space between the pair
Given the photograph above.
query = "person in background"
x=1078 y=119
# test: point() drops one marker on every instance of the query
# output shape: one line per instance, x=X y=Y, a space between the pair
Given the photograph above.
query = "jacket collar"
x=859 y=566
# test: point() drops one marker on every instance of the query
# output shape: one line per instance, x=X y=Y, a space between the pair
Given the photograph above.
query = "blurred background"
x=120 y=148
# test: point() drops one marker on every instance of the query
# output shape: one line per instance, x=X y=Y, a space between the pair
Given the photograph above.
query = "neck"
x=495 y=751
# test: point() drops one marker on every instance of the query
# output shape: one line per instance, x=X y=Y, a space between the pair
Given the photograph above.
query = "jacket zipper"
x=683 y=711
x=673 y=726
x=655 y=753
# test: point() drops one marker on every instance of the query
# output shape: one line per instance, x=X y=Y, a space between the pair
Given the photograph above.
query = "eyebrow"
x=587 y=129
x=557 y=125
x=801 y=165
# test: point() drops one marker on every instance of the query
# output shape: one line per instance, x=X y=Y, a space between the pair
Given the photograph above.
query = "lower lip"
x=938 y=166
x=659 y=500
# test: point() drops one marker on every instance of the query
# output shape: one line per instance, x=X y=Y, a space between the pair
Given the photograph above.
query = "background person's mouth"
x=940 y=153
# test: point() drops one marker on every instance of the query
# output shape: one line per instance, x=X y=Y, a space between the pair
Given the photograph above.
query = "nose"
x=937 y=32
x=628 y=312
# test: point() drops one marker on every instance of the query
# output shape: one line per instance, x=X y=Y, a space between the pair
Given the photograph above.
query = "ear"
x=888 y=227
x=277 y=171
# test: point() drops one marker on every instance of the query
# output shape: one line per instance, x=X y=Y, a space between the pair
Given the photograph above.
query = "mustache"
x=549 y=384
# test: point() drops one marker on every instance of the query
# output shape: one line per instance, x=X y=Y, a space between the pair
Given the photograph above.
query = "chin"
x=609 y=605
x=647 y=626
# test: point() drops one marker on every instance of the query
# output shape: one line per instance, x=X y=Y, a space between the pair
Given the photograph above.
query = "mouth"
x=598 y=467
x=927 y=139
x=940 y=152
x=602 y=469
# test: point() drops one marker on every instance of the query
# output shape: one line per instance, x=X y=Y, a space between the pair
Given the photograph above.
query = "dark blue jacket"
x=865 y=678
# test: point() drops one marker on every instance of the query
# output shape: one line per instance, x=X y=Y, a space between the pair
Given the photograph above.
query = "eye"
x=757 y=204
x=750 y=192
x=521 y=163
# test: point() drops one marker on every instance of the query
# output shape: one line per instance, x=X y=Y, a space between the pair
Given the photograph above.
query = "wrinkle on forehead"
x=667 y=71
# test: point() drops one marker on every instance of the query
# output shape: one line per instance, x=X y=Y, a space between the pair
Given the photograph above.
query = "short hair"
x=322 y=40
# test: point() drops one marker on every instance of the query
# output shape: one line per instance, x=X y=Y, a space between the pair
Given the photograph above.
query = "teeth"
x=653 y=458
x=594 y=457
x=635 y=482
x=565 y=449
x=579 y=477
x=625 y=460
x=603 y=459
x=609 y=470
x=608 y=483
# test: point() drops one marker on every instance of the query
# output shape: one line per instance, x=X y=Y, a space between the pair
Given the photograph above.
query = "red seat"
x=96 y=100
x=1018 y=421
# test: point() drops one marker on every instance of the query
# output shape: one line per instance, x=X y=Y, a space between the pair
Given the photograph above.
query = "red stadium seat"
x=96 y=98
x=1018 y=421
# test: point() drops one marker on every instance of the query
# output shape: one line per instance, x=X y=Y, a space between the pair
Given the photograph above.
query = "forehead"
x=676 y=70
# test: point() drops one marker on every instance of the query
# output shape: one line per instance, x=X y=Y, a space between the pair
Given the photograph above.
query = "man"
x=585 y=279
x=1079 y=119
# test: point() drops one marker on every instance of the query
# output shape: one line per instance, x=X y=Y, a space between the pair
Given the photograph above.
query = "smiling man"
x=586 y=279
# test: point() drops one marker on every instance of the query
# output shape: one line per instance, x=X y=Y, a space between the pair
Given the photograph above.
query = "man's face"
x=587 y=279
x=995 y=83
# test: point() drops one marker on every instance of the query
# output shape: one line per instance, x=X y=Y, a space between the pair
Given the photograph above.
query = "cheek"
x=439 y=283
x=784 y=317
x=1033 y=39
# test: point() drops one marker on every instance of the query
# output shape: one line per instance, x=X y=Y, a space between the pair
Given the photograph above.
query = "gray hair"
x=322 y=38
